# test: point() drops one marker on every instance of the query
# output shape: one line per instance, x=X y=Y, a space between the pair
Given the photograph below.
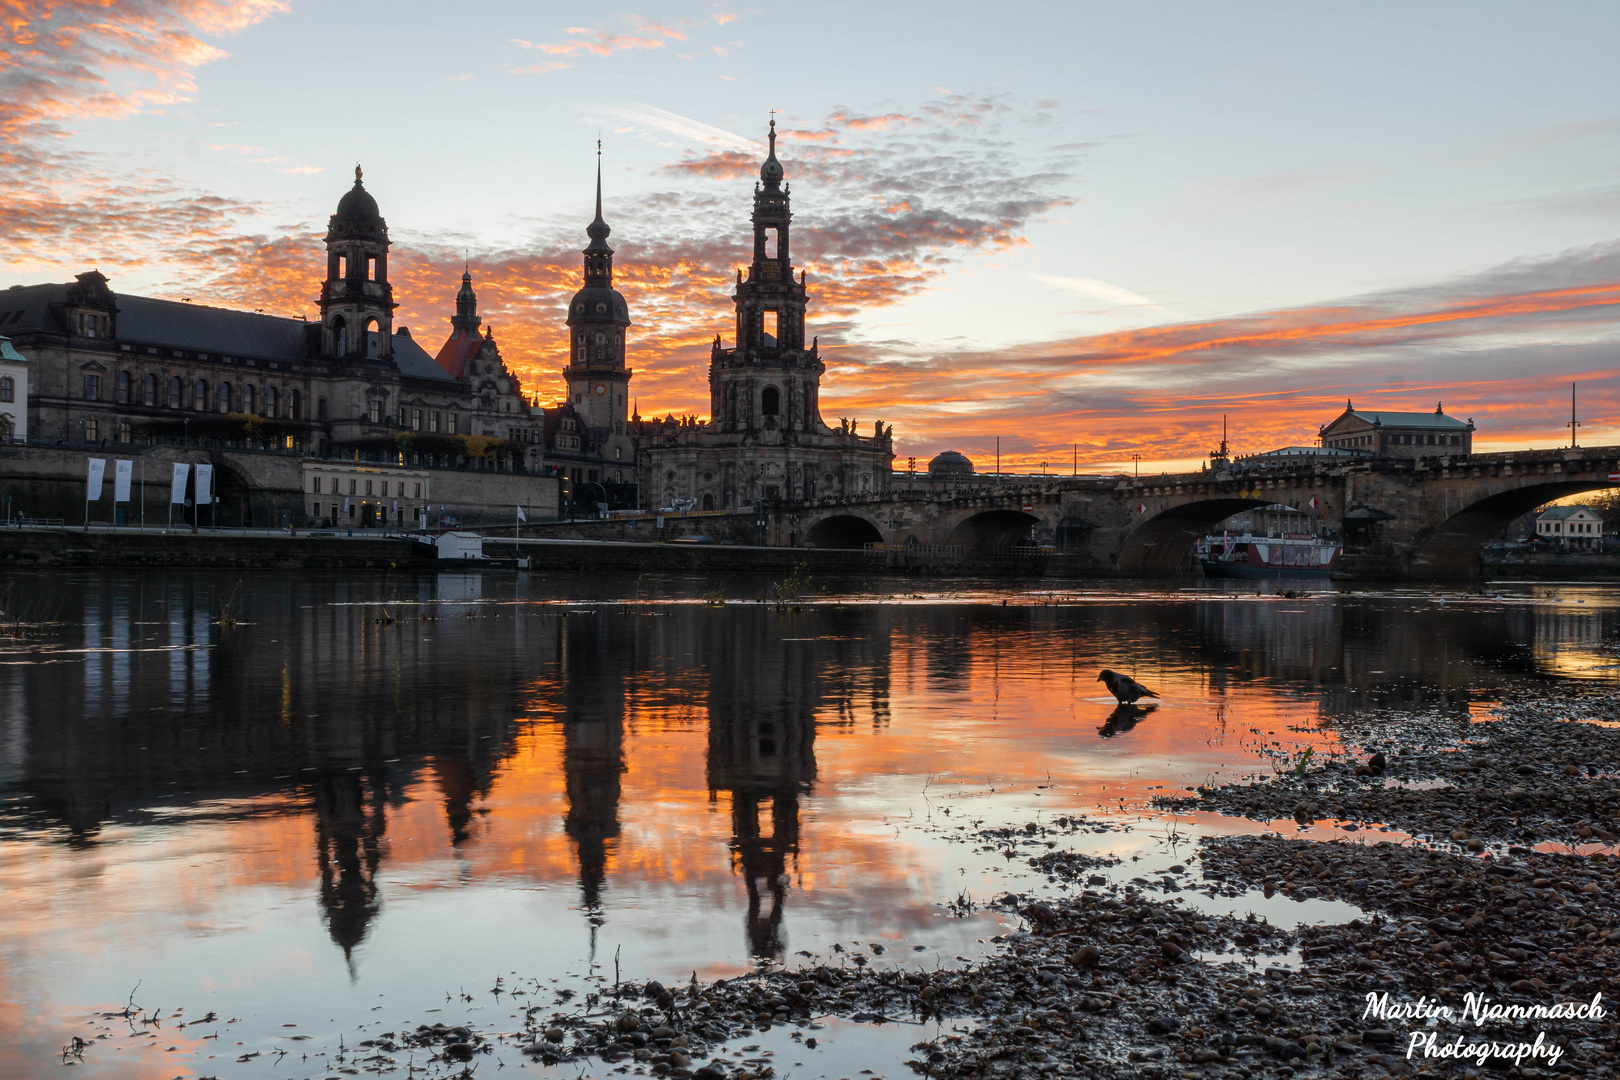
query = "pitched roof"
x=172 y=324
x=9 y=353
x=1430 y=420
x=1559 y=513
x=216 y=331
x=414 y=362
x=27 y=307
x=453 y=355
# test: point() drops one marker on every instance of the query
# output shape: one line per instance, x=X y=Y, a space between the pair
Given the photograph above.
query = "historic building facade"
x=112 y=369
x=13 y=393
x=765 y=438
x=1399 y=434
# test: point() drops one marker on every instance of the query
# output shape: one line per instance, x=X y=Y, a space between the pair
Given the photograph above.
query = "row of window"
x=334 y=482
x=415 y=418
x=1395 y=440
x=1586 y=527
x=124 y=433
x=272 y=403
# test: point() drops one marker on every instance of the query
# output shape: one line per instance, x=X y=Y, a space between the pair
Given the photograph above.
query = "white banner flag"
x=123 y=472
x=205 y=484
x=521 y=515
x=98 y=469
x=177 y=490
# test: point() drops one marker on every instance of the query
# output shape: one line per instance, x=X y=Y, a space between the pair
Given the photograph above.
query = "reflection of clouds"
x=675 y=759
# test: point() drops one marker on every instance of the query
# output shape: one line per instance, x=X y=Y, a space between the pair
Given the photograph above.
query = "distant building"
x=1572 y=527
x=347 y=493
x=1295 y=455
x=765 y=438
x=13 y=393
x=1399 y=434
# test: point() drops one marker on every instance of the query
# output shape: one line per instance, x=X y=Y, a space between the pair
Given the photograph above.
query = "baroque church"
x=764 y=438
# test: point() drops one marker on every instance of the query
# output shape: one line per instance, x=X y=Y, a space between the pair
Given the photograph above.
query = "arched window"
x=293 y=404
x=149 y=389
x=770 y=402
x=5 y=428
x=224 y=397
x=373 y=341
x=248 y=399
x=270 y=402
x=199 y=395
x=121 y=387
x=8 y=388
x=177 y=395
x=340 y=335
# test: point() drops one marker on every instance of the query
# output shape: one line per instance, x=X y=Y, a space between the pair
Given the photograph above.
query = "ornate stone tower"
x=466 y=317
x=598 y=380
x=357 y=303
x=769 y=382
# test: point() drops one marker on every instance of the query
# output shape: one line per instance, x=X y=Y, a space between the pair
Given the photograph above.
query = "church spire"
x=598 y=230
x=771 y=171
x=466 y=317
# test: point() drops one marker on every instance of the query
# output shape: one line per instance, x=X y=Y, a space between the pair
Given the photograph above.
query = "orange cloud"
x=648 y=35
x=60 y=58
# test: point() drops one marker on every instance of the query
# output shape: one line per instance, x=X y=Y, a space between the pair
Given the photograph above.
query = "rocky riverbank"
x=1542 y=769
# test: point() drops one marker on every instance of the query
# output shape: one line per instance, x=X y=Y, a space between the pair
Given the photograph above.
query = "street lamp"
x=1136 y=467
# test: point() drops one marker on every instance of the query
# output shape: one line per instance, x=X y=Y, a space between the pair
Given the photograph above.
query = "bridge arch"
x=991 y=532
x=843 y=531
x=1453 y=548
x=1163 y=543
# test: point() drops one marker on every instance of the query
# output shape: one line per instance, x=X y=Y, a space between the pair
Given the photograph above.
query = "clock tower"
x=598 y=380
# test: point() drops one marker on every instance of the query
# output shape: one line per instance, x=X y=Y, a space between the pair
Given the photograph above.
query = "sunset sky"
x=1095 y=224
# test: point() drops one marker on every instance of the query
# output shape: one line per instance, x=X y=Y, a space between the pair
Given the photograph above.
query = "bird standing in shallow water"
x=1125 y=689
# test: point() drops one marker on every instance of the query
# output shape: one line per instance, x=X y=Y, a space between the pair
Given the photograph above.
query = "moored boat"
x=1249 y=556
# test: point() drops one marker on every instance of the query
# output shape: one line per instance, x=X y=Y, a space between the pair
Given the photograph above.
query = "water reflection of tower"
x=762 y=751
x=593 y=750
x=350 y=820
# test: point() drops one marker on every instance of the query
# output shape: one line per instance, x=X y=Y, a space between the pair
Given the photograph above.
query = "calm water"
x=376 y=794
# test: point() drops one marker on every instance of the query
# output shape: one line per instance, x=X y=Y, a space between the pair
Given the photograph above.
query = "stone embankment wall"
x=579 y=558
x=728 y=528
x=255 y=488
x=21 y=548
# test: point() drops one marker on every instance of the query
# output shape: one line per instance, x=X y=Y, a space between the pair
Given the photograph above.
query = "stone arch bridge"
x=1428 y=517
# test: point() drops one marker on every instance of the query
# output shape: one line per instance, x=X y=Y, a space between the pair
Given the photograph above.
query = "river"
x=318 y=805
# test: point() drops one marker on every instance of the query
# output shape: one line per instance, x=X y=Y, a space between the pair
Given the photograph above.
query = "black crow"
x=1124 y=688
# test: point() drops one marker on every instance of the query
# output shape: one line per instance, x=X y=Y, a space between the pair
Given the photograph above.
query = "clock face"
x=599 y=389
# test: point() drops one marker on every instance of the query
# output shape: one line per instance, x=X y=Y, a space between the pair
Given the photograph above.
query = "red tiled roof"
x=456 y=351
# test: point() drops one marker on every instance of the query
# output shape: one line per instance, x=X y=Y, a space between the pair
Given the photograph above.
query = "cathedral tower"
x=598 y=380
x=357 y=303
x=769 y=381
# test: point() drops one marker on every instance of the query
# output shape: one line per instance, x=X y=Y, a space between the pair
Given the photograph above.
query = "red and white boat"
x=1249 y=556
